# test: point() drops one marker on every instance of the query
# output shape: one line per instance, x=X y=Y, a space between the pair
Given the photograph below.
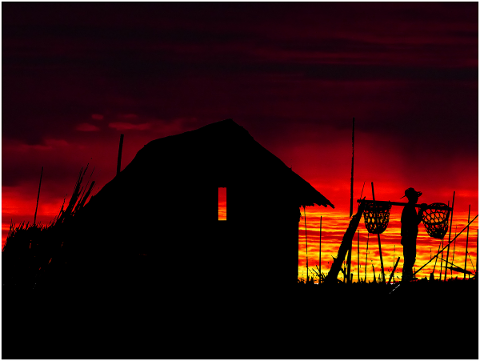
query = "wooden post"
x=351 y=177
x=349 y=263
x=453 y=257
x=320 y=252
x=345 y=246
x=38 y=197
x=466 y=245
x=119 y=161
x=441 y=258
x=449 y=236
x=378 y=234
x=306 y=241
x=358 y=257
x=441 y=264
x=366 y=253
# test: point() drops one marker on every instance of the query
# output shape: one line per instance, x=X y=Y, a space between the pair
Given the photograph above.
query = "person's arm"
x=423 y=206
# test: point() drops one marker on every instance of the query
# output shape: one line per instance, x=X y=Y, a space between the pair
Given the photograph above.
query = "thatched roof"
x=222 y=152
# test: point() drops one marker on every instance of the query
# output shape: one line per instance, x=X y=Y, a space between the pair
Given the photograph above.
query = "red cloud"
x=97 y=116
x=129 y=126
x=129 y=116
x=85 y=127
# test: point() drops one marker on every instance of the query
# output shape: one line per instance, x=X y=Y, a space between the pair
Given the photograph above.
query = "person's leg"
x=409 y=254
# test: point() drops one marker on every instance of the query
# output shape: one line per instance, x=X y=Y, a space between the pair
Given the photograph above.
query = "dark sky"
x=77 y=75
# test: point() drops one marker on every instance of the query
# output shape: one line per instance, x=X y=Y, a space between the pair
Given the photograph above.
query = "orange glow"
x=222 y=203
x=335 y=223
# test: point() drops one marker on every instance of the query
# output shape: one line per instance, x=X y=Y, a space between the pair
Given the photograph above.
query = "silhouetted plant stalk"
x=319 y=274
x=30 y=249
x=474 y=269
x=466 y=244
x=306 y=241
x=38 y=197
x=447 y=245
x=436 y=259
x=351 y=177
x=453 y=257
x=366 y=253
x=79 y=197
x=449 y=234
x=320 y=250
x=349 y=264
x=441 y=264
x=358 y=256
x=378 y=235
x=393 y=271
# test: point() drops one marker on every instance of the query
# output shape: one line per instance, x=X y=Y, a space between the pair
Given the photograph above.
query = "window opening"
x=222 y=203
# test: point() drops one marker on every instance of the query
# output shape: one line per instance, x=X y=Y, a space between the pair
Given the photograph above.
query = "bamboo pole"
x=402 y=204
x=474 y=269
x=441 y=266
x=358 y=257
x=351 y=177
x=446 y=245
x=456 y=268
x=436 y=259
x=349 y=263
x=466 y=245
x=449 y=235
x=441 y=259
x=306 y=241
x=366 y=253
x=119 y=160
x=38 y=197
x=320 y=252
x=453 y=257
x=378 y=235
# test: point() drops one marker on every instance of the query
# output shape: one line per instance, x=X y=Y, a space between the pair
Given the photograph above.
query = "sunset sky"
x=77 y=75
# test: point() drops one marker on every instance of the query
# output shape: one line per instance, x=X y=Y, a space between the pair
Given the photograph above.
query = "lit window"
x=222 y=203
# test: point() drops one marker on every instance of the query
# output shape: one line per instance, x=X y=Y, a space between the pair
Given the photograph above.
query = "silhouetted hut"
x=157 y=221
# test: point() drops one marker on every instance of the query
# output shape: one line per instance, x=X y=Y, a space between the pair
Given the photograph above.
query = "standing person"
x=410 y=222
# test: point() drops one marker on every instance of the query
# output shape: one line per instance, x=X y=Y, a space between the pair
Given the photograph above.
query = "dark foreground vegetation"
x=51 y=310
x=417 y=320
